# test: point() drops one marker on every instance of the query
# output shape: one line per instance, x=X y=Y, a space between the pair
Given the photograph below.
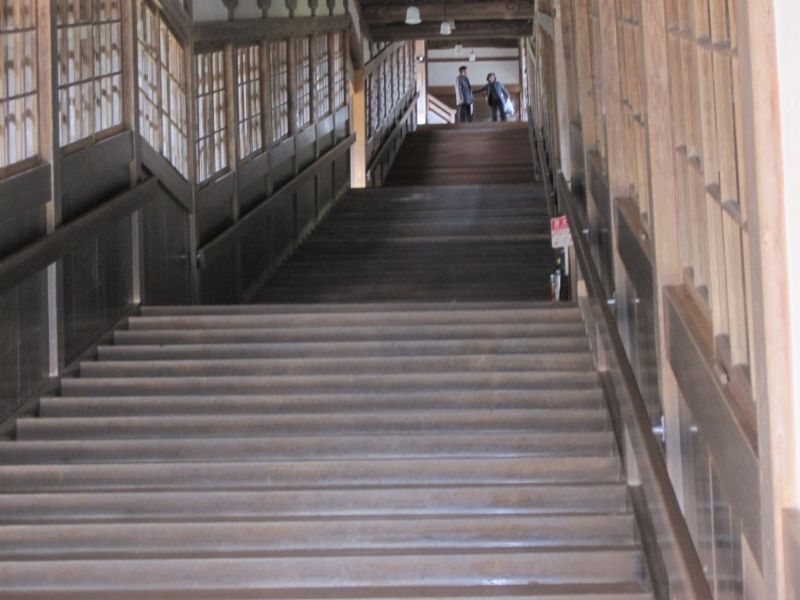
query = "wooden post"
x=50 y=151
x=771 y=348
x=358 y=106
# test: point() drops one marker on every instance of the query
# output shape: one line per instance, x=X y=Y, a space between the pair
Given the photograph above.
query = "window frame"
x=211 y=99
x=170 y=109
x=29 y=94
x=303 y=92
x=94 y=25
x=253 y=99
x=280 y=117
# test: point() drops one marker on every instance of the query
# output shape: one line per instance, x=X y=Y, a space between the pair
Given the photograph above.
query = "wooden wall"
x=90 y=229
x=650 y=110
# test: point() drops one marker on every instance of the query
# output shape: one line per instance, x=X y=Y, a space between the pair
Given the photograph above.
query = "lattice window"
x=18 y=87
x=339 y=71
x=373 y=108
x=162 y=89
x=388 y=93
x=404 y=70
x=279 y=89
x=89 y=67
x=212 y=154
x=249 y=101
x=322 y=77
x=398 y=75
x=302 y=53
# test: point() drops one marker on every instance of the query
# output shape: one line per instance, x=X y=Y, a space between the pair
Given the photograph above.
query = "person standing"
x=464 y=96
x=497 y=95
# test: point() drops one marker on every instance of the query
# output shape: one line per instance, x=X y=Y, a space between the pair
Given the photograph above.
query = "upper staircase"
x=402 y=420
x=462 y=154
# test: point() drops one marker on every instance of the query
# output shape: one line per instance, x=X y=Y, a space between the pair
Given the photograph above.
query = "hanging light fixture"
x=412 y=16
x=452 y=25
x=445 y=28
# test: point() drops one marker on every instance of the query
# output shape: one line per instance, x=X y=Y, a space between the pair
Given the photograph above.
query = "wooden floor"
x=485 y=239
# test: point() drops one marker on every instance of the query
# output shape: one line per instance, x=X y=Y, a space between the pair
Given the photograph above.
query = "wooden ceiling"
x=474 y=19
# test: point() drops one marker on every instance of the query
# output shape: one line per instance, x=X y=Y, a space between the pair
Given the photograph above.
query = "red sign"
x=559 y=232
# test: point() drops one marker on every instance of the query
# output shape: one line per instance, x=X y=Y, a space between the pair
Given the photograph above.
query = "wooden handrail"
x=682 y=570
x=235 y=231
x=387 y=144
x=683 y=566
x=38 y=255
x=441 y=109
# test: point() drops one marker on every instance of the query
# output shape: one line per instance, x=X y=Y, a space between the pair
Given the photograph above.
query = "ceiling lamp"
x=445 y=28
x=412 y=16
x=452 y=25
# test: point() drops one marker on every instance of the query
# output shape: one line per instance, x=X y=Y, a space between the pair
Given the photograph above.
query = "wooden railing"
x=675 y=567
x=440 y=109
x=43 y=252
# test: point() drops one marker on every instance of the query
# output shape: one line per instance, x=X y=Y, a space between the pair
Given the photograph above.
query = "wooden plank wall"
x=651 y=111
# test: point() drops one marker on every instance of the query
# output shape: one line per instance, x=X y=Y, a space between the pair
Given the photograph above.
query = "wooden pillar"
x=421 y=73
x=358 y=120
x=771 y=347
x=50 y=151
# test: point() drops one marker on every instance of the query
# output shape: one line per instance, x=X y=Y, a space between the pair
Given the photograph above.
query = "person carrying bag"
x=499 y=99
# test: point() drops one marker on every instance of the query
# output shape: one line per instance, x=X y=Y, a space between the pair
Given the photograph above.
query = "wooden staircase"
x=398 y=419
x=462 y=154
x=466 y=243
x=419 y=450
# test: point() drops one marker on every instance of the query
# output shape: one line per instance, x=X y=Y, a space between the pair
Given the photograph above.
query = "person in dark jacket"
x=497 y=95
x=464 y=97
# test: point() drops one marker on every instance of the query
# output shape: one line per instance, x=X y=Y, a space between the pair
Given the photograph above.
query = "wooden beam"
x=253 y=30
x=448 y=44
x=467 y=30
x=378 y=13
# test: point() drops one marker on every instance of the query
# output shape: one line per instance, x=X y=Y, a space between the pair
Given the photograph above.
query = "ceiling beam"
x=464 y=31
x=445 y=43
x=378 y=13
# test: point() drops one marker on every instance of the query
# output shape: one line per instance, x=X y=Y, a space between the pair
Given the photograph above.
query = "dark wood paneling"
x=167 y=268
x=711 y=405
x=167 y=176
x=215 y=207
x=25 y=191
x=635 y=253
x=35 y=257
x=305 y=150
x=93 y=174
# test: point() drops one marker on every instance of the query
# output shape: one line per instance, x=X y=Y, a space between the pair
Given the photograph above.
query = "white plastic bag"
x=509 y=107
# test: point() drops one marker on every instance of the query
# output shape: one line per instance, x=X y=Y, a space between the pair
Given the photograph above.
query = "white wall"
x=504 y=62
x=787 y=19
x=445 y=73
